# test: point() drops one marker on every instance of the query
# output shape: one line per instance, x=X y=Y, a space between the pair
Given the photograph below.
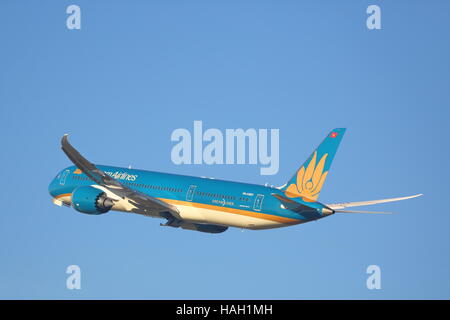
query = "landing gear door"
x=190 y=193
x=258 y=202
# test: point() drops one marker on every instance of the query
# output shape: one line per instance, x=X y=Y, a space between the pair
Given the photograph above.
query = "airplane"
x=202 y=204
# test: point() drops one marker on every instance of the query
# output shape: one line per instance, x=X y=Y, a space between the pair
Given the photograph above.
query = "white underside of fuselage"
x=208 y=216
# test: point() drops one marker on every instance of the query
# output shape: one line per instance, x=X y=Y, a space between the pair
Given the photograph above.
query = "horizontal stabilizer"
x=357 y=211
x=294 y=205
x=336 y=206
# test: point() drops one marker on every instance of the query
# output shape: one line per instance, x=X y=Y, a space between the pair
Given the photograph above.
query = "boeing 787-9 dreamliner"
x=202 y=204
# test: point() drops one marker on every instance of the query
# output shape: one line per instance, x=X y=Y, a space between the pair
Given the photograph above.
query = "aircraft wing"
x=145 y=204
x=343 y=205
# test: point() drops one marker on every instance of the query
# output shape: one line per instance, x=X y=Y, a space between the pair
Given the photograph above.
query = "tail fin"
x=309 y=179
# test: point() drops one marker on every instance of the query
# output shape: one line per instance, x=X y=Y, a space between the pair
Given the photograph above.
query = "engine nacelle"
x=91 y=200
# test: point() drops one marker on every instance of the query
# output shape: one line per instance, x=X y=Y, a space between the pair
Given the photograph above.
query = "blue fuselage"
x=246 y=204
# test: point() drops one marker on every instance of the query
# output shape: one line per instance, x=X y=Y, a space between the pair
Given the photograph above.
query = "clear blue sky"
x=135 y=72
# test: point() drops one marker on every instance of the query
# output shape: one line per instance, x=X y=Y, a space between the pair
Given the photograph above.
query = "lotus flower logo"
x=309 y=180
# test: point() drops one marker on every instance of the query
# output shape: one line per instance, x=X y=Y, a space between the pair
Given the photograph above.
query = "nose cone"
x=52 y=188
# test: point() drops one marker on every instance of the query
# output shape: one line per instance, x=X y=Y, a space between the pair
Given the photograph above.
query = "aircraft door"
x=62 y=179
x=190 y=193
x=258 y=202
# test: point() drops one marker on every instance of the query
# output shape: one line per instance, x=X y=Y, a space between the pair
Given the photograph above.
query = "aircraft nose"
x=52 y=188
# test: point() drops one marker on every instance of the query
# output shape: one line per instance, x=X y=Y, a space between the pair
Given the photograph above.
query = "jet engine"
x=91 y=200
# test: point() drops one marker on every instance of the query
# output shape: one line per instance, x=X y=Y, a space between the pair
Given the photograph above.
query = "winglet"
x=64 y=139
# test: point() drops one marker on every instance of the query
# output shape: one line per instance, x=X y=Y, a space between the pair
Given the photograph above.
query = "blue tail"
x=308 y=181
